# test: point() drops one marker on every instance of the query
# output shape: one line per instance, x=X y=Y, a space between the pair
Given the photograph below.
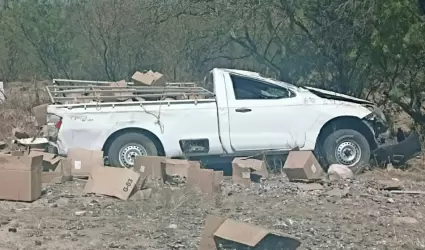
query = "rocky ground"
x=353 y=214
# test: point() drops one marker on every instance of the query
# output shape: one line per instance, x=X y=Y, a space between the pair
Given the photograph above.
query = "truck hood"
x=336 y=96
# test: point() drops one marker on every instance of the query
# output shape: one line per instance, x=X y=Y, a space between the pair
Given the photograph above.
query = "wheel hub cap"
x=129 y=152
x=348 y=153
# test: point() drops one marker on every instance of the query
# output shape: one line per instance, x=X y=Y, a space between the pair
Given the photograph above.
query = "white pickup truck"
x=243 y=114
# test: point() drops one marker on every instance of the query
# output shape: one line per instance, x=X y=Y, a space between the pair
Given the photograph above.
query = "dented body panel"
x=231 y=126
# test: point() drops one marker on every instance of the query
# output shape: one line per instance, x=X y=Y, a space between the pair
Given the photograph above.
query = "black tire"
x=130 y=139
x=354 y=139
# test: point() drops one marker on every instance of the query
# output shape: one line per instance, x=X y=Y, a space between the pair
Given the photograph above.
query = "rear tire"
x=347 y=147
x=126 y=147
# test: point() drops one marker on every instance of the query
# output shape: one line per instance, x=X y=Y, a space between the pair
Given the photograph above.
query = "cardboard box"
x=20 y=177
x=230 y=234
x=175 y=167
x=206 y=180
x=149 y=166
x=50 y=161
x=246 y=170
x=148 y=78
x=40 y=113
x=84 y=161
x=117 y=182
x=302 y=166
x=62 y=173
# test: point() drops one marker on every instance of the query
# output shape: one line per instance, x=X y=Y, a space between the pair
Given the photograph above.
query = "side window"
x=246 y=89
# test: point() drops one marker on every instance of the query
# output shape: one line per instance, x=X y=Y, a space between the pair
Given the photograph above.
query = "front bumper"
x=398 y=153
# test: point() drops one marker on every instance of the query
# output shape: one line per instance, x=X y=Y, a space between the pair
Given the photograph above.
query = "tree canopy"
x=373 y=49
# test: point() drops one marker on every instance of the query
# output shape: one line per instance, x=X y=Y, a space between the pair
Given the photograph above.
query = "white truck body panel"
x=273 y=124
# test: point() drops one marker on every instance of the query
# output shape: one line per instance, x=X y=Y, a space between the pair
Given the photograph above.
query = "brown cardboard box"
x=230 y=234
x=50 y=161
x=62 y=173
x=20 y=177
x=245 y=170
x=117 y=182
x=149 y=166
x=175 y=167
x=302 y=166
x=148 y=78
x=51 y=177
x=84 y=161
x=206 y=180
x=40 y=113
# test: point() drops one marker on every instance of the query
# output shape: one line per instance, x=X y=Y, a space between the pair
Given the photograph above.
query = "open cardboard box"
x=221 y=233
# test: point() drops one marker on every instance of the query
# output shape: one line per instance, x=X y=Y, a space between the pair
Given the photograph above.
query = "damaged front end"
x=392 y=148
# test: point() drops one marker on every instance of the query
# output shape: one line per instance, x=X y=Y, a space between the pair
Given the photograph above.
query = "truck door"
x=262 y=116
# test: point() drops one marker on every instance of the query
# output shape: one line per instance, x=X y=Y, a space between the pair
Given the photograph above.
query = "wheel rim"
x=129 y=152
x=348 y=153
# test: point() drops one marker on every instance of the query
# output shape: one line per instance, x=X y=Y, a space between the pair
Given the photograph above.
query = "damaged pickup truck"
x=239 y=113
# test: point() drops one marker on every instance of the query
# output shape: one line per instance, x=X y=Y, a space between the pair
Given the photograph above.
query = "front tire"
x=347 y=147
x=126 y=147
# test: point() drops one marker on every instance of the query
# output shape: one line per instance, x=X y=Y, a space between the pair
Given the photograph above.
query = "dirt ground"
x=345 y=215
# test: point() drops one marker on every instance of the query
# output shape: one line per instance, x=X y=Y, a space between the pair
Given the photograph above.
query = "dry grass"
x=16 y=110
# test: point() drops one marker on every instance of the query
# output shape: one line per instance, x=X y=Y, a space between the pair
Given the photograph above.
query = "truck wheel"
x=347 y=147
x=126 y=147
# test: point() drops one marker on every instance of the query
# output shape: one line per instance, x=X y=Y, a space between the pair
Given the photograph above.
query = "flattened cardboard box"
x=206 y=180
x=245 y=171
x=220 y=233
x=20 y=177
x=84 y=161
x=302 y=166
x=149 y=78
x=117 y=182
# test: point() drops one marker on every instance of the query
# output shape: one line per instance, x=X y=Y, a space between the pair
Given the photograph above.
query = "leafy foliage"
x=371 y=48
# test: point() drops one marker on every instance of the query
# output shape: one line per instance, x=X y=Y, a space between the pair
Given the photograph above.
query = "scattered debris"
x=143 y=194
x=404 y=220
x=302 y=166
x=246 y=170
x=20 y=133
x=80 y=213
x=309 y=186
x=3 y=145
x=148 y=78
x=339 y=172
x=220 y=233
x=406 y=192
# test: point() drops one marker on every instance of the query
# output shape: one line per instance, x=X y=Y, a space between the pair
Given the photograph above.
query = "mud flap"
x=398 y=154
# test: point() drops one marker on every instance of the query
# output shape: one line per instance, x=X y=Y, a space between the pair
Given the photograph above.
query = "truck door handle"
x=243 y=110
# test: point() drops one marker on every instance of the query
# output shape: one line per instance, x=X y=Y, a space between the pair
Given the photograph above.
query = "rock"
x=13 y=230
x=404 y=220
x=336 y=192
x=80 y=213
x=309 y=186
x=339 y=172
x=172 y=226
x=19 y=133
x=38 y=243
x=390 y=200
